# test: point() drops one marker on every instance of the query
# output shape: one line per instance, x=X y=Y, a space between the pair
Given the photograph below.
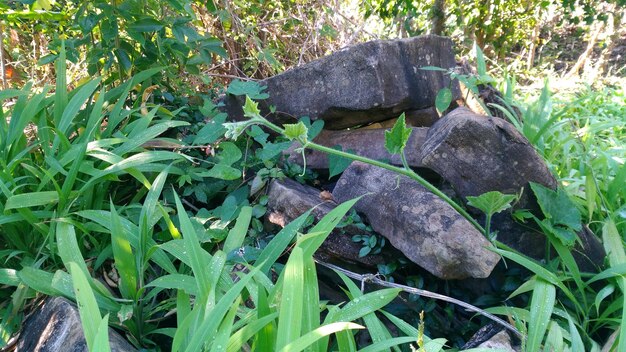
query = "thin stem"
x=402 y=171
x=488 y=226
x=406 y=171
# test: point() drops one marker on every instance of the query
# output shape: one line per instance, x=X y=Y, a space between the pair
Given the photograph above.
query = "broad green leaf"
x=39 y=280
x=396 y=139
x=613 y=245
x=443 y=99
x=222 y=172
x=590 y=193
x=492 y=202
x=311 y=297
x=605 y=292
x=229 y=153
x=212 y=131
x=557 y=206
x=296 y=131
x=147 y=24
x=337 y=164
x=376 y=329
x=314 y=128
x=60 y=93
x=249 y=88
x=146 y=135
x=131 y=232
x=87 y=306
x=541 y=305
x=540 y=271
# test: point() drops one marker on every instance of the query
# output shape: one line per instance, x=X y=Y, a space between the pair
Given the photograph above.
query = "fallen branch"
x=374 y=279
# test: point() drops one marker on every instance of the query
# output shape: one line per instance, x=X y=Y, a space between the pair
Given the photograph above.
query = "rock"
x=360 y=84
x=493 y=337
x=289 y=199
x=55 y=326
x=369 y=143
x=421 y=225
x=478 y=154
x=590 y=255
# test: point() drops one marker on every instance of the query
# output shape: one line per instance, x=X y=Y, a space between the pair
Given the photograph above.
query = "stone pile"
x=358 y=92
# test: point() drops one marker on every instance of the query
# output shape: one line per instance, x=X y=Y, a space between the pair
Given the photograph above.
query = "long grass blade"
x=291 y=303
x=238 y=233
x=123 y=257
x=542 y=303
x=87 y=305
x=305 y=341
x=280 y=242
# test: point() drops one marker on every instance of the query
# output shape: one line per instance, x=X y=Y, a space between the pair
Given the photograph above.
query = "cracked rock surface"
x=422 y=226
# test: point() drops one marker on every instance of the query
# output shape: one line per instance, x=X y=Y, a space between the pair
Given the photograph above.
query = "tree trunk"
x=2 y=67
x=438 y=17
x=530 y=61
x=611 y=41
x=585 y=55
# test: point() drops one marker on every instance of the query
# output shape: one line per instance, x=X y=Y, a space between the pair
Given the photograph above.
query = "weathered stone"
x=289 y=199
x=364 y=83
x=418 y=223
x=492 y=337
x=55 y=326
x=478 y=154
x=369 y=143
x=590 y=253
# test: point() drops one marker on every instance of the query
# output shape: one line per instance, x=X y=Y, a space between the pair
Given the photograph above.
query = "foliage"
x=102 y=188
x=491 y=203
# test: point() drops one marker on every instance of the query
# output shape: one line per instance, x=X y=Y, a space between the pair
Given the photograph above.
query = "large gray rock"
x=478 y=154
x=418 y=223
x=369 y=143
x=289 y=199
x=55 y=326
x=364 y=83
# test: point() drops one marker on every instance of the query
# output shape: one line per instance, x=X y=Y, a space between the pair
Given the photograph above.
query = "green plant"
x=471 y=82
x=395 y=141
x=491 y=203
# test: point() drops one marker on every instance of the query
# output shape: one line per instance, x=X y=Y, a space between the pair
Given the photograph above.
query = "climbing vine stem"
x=299 y=133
